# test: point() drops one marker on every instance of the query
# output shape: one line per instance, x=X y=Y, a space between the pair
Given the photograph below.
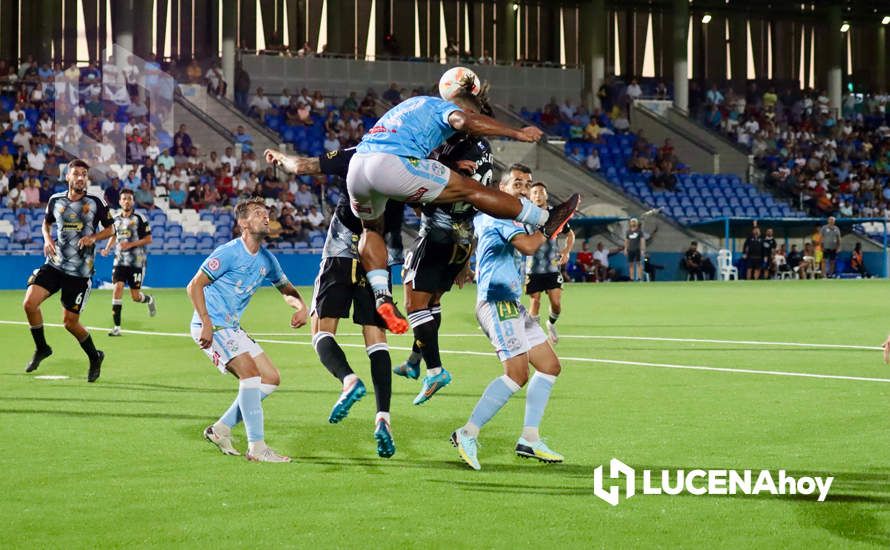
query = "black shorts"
x=755 y=263
x=132 y=276
x=75 y=290
x=633 y=255
x=341 y=284
x=540 y=282
x=433 y=266
x=830 y=254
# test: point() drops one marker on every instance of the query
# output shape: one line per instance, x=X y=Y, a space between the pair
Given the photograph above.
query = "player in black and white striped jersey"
x=132 y=234
x=76 y=216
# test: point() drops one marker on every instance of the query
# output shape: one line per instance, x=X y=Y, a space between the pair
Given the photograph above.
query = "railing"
x=710 y=149
x=720 y=137
x=203 y=117
x=253 y=123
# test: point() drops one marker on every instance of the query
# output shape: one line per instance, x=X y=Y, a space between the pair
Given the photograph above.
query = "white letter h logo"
x=616 y=470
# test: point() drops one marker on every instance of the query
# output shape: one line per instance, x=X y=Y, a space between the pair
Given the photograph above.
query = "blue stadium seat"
x=172 y=243
x=317 y=242
x=4 y=242
x=14 y=247
x=284 y=245
x=301 y=245
x=174 y=231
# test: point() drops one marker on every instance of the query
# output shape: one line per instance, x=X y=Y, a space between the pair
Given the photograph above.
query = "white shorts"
x=510 y=328
x=375 y=177
x=228 y=343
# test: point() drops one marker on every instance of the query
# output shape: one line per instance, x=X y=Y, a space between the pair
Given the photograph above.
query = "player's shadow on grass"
x=91 y=414
x=82 y=400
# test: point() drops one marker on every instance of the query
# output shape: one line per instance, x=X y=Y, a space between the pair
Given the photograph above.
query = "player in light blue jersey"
x=220 y=292
x=517 y=338
x=391 y=163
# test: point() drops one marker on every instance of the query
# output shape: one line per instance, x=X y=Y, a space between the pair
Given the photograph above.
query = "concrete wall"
x=530 y=87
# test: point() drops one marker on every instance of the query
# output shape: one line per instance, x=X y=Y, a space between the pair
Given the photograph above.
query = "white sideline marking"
x=641 y=338
x=491 y=355
x=51 y=377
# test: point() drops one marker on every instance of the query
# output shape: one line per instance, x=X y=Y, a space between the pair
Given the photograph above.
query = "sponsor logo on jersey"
x=417 y=194
x=213 y=264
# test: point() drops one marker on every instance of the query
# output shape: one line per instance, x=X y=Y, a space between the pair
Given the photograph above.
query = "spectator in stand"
x=113 y=191
x=634 y=249
x=857 y=263
x=184 y=137
x=6 y=159
x=663 y=177
x=639 y=163
x=211 y=197
x=46 y=191
x=135 y=149
x=228 y=159
x=21 y=232
x=216 y=84
x=145 y=196
x=831 y=243
x=176 y=196
x=306 y=50
x=567 y=111
x=350 y=103
x=634 y=92
x=36 y=159
x=486 y=58
x=304 y=198
x=16 y=197
x=714 y=97
x=22 y=138
x=661 y=90
x=576 y=156
x=592 y=162
x=392 y=94
x=752 y=253
x=260 y=105
x=315 y=218
x=331 y=143
x=318 y=103
x=592 y=130
x=367 y=106
x=244 y=139
x=32 y=193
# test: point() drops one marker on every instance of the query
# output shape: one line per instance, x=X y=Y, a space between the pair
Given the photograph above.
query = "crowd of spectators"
x=828 y=162
x=32 y=159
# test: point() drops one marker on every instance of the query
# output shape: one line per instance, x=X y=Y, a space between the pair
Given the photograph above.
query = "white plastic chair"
x=725 y=268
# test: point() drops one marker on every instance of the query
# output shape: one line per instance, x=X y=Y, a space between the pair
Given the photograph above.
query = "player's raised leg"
x=34 y=296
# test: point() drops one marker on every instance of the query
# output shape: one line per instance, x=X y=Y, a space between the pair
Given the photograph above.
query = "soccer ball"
x=456 y=79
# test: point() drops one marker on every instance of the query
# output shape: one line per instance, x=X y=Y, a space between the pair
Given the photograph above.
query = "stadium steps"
x=225 y=113
x=205 y=136
x=733 y=158
x=700 y=155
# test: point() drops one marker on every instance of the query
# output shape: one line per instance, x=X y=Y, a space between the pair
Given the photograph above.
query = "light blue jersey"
x=235 y=275
x=498 y=264
x=413 y=128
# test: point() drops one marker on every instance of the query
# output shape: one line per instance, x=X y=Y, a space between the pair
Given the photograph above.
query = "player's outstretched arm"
x=528 y=244
x=481 y=125
x=293 y=299
x=195 y=290
x=565 y=252
x=90 y=240
x=887 y=350
x=295 y=164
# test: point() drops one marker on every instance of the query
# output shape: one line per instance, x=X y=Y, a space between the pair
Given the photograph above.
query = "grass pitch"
x=121 y=463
